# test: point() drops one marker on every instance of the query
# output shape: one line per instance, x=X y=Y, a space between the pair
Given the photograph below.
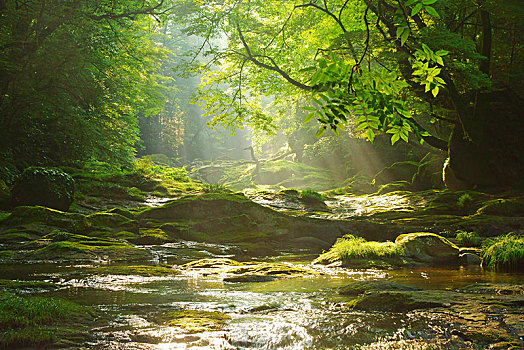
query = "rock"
x=22 y=216
x=400 y=171
x=196 y=321
x=47 y=187
x=494 y=289
x=361 y=287
x=234 y=271
x=393 y=302
x=310 y=243
x=211 y=263
x=470 y=259
x=428 y=247
x=112 y=222
x=64 y=246
x=154 y=236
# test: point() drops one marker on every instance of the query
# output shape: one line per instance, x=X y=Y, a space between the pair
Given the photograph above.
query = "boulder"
x=428 y=247
x=470 y=259
x=46 y=187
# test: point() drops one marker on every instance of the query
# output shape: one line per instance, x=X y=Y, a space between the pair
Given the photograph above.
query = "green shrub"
x=504 y=253
x=47 y=187
x=468 y=239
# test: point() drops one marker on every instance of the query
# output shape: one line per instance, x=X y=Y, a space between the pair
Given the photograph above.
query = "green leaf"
x=308 y=69
x=404 y=36
x=440 y=60
x=394 y=138
x=371 y=135
x=411 y=2
x=428 y=2
x=435 y=91
x=441 y=52
x=432 y=11
x=320 y=132
x=361 y=127
x=308 y=118
x=416 y=9
x=309 y=108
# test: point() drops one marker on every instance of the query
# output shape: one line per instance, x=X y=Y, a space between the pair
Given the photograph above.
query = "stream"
x=294 y=313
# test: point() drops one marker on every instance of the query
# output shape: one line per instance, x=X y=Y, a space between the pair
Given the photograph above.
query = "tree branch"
x=274 y=67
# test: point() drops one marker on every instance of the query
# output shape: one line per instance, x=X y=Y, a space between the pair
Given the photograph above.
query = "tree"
x=448 y=72
x=73 y=77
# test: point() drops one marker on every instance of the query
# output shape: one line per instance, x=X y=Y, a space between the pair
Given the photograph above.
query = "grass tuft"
x=504 y=253
x=352 y=247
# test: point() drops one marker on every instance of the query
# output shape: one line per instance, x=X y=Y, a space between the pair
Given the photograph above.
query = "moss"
x=505 y=253
x=64 y=245
x=211 y=263
x=112 y=222
x=503 y=207
x=35 y=321
x=17 y=285
x=135 y=270
x=196 y=321
x=16 y=237
x=494 y=289
x=50 y=217
x=150 y=236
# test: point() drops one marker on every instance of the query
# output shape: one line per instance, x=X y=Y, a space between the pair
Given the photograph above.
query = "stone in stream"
x=253 y=271
x=428 y=247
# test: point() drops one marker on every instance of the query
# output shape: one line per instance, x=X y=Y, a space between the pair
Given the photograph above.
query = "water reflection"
x=298 y=313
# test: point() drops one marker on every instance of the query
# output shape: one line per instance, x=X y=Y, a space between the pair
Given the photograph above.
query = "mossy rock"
x=200 y=207
x=135 y=270
x=73 y=247
x=494 y=289
x=234 y=271
x=212 y=263
x=393 y=302
x=46 y=187
x=50 y=217
x=503 y=207
x=361 y=287
x=400 y=171
x=112 y=222
x=123 y=212
x=150 y=236
x=197 y=321
x=428 y=247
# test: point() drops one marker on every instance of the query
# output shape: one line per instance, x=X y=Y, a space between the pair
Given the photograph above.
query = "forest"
x=261 y=174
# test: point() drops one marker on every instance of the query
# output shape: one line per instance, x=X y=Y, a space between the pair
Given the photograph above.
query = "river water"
x=294 y=313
